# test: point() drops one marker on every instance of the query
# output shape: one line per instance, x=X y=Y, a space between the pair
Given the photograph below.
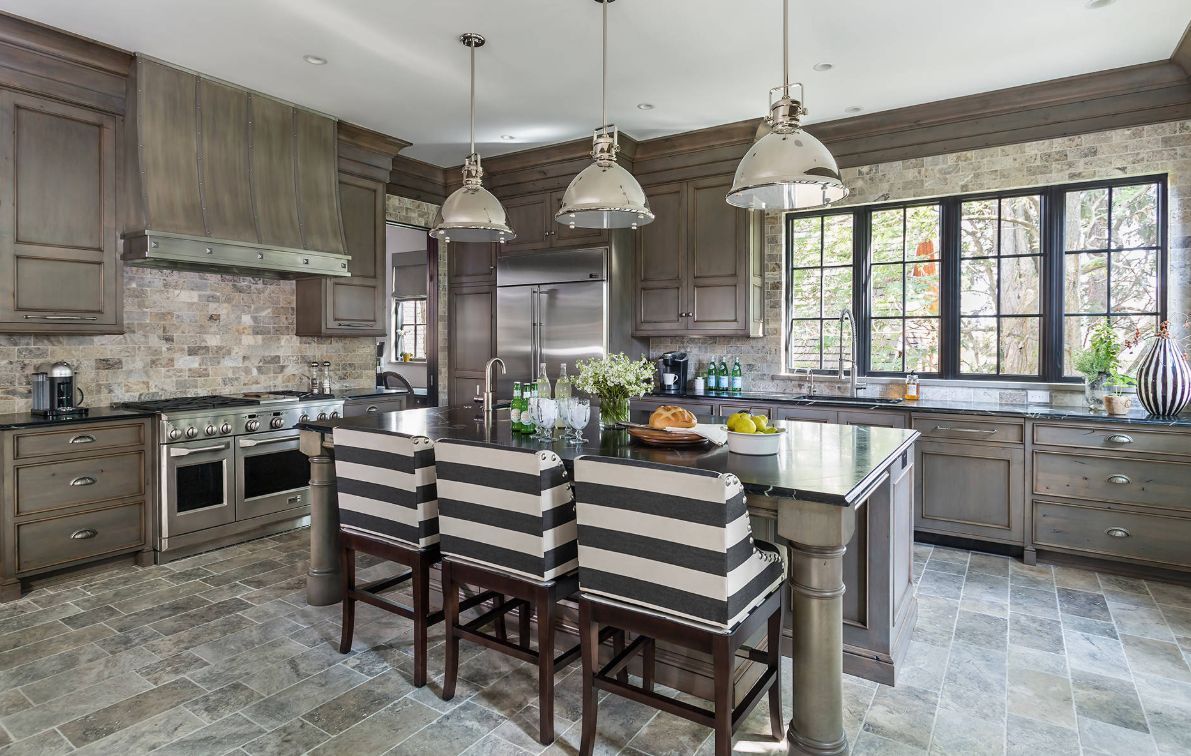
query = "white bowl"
x=756 y=444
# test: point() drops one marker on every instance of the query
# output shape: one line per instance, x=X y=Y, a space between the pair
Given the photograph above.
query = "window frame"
x=394 y=355
x=1051 y=315
x=857 y=284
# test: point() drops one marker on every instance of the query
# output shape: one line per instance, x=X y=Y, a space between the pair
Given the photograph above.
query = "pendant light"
x=472 y=213
x=604 y=194
x=786 y=168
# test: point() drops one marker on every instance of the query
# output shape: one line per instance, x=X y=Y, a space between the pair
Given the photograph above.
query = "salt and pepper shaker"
x=325 y=388
x=315 y=383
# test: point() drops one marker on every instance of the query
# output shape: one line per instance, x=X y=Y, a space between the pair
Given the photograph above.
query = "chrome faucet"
x=488 y=393
x=846 y=316
x=810 y=376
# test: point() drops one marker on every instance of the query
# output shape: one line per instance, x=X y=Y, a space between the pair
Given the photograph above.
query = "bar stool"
x=507 y=520
x=388 y=507
x=666 y=553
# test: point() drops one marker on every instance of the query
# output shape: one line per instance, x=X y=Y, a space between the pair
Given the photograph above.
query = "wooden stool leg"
x=501 y=630
x=723 y=662
x=347 y=563
x=617 y=647
x=450 y=607
x=647 y=664
x=589 y=640
x=545 y=612
x=421 y=591
x=775 y=663
x=523 y=616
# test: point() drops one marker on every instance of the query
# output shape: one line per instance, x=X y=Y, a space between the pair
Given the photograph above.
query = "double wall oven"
x=231 y=468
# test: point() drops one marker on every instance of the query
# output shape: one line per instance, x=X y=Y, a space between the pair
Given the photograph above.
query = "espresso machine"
x=54 y=392
x=673 y=364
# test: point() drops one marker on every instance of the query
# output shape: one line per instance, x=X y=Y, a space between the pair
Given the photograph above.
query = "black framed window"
x=997 y=285
x=409 y=329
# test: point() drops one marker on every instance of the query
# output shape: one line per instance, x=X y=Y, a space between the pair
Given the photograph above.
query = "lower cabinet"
x=71 y=495
x=372 y=405
x=971 y=490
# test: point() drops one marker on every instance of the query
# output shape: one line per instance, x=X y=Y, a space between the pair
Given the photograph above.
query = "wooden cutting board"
x=655 y=437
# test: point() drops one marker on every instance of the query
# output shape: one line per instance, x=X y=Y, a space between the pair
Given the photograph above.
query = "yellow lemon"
x=734 y=419
x=746 y=425
x=767 y=429
x=761 y=421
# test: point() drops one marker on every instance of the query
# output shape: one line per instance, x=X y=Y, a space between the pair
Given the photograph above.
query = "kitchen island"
x=829 y=487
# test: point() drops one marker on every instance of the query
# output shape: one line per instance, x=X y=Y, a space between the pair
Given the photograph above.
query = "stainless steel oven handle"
x=247 y=443
x=179 y=452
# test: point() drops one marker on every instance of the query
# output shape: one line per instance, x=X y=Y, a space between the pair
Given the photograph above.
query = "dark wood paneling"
x=226 y=144
x=1181 y=56
x=418 y=180
x=314 y=151
x=274 y=190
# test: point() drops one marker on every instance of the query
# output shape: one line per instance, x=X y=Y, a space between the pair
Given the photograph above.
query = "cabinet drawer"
x=357 y=407
x=968 y=429
x=61 y=540
x=57 y=485
x=732 y=409
x=1130 y=481
x=807 y=414
x=1123 y=439
x=1106 y=532
x=77 y=440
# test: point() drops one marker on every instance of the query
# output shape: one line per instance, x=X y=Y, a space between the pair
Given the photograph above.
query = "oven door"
x=198 y=485
x=272 y=474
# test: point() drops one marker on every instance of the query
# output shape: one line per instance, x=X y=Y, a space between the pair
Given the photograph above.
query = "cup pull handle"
x=83 y=480
x=1119 y=480
x=84 y=534
x=1117 y=533
x=1119 y=438
x=83 y=438
x=373 y=408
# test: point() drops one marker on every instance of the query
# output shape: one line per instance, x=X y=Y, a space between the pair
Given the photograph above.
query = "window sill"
x=941 y=382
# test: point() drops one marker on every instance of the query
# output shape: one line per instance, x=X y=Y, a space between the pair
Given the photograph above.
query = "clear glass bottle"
x=562 y=392
x=543 y=382
x=527 y=424
x=911 y=387
x=737 y=377
x=325 y=379
x=515 y=407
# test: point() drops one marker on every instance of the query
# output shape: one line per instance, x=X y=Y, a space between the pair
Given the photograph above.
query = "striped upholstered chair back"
x=386 y=486
x=671 y=539
x=511 y=509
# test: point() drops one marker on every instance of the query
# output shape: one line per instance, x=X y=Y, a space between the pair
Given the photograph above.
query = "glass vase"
x=613 y=410
x=1094 y=391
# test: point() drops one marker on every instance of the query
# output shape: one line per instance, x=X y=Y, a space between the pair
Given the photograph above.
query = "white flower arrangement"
x=615 y=379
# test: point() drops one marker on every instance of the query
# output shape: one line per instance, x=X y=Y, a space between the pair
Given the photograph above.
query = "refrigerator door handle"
x=533 y=334
x=537 y=295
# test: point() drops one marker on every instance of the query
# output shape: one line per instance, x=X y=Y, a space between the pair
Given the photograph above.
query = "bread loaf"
x=669 y=416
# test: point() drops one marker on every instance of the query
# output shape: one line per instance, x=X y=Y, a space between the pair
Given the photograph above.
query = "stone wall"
x=1157 y=148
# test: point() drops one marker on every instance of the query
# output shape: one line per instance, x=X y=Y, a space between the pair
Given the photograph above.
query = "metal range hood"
x=226 y=180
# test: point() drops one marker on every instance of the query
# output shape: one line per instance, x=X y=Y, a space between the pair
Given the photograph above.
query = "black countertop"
x=94 y=415
x=367 y=392
x=830 y=463
x=1136 y=416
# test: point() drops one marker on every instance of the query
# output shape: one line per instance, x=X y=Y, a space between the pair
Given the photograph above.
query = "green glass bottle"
x=515 y=407
x=723 y=383
x=712 y=382
x=737 y=377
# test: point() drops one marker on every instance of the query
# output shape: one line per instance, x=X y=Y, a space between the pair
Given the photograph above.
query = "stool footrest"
x=669 y=705
x=384 y=584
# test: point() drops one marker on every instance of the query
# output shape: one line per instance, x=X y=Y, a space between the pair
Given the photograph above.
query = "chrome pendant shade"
x=604 y=194
x=472 y=213
x=786 y=168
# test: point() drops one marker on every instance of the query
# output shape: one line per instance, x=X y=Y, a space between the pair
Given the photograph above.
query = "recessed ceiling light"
x=645 y=106
x=822 y=66
x=314 y=60
x=853 y=109
x=508 y=137
x=1094 y=4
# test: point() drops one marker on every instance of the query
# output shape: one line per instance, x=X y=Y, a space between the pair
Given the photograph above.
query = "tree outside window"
x=821 y=271
x=905 y=275
x=409 y=328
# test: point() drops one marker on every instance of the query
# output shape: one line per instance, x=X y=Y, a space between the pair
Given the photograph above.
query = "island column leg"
x=818 y=535
x=323 y=578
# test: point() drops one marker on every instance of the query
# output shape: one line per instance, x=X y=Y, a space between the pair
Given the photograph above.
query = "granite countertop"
x=836 y=464
x=1136 y=416
x=95 y=415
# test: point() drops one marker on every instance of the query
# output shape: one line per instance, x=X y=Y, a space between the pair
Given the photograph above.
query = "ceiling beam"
x=1182 y=52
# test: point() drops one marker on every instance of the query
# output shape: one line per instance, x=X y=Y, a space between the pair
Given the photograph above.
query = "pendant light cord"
x=604 y=86
x=472 y=102
x=786 y=47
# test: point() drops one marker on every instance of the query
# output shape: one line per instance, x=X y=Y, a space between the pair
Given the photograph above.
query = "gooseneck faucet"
x=489 y=404
x=846 y=316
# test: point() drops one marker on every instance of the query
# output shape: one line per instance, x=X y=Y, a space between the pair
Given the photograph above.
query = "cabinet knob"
x=1119 y=480
x=84 y=534
x=1119 y=438
x=1117 y=533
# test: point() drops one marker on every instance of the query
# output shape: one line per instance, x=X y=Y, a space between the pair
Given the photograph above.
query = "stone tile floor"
x=219 y=654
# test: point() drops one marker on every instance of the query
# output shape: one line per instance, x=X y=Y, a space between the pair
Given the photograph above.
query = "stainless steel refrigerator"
x=557 y=307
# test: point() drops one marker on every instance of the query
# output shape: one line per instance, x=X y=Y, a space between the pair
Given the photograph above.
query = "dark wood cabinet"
x=532 y=217
x=699 y=264
x=355 y=305
x=472 y=338
x=471 y=263
x=59 y=263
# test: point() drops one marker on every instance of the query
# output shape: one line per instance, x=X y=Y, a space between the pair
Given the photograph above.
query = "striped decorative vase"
x=1164 y=377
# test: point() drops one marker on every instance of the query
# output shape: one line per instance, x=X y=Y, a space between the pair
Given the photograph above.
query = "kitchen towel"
x=716 y=434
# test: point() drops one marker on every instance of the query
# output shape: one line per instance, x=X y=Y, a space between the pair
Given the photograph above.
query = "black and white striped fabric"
x=512 y=509
x=672 y=539
x=386 y=485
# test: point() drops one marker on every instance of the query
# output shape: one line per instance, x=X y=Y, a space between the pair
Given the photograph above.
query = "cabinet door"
x=532 y=219
x=971 y=490
x=471 y=262
x=59 y=266
x=464 y=391
x=562 y=235
x=472 y=339
x=357 y=304
x=661 y=259
x=718 y=244
x=887 y=419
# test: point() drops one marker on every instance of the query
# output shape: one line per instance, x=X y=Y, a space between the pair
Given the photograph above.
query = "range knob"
x=225 y=429
x=303 y=418
x=174 y=434
x=276 y=422
x=252 y=425
x=191 y=432
x=322 y=416
x=211 y=430
x=334 y=414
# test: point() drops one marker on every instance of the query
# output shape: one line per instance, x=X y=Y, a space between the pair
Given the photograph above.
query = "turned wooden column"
x=324 y=577
x=818 y=534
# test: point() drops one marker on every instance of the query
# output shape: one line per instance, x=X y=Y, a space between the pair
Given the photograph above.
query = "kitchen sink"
x=849 y=399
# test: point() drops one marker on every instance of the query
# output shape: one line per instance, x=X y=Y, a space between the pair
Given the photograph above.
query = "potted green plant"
x=1100 y=365
x=615 y=380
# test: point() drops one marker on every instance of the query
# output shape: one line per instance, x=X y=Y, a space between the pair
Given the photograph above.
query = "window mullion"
x=861 y=233
x=949 y=295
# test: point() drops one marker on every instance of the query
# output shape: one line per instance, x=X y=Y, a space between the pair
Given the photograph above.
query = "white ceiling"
x=395 y=65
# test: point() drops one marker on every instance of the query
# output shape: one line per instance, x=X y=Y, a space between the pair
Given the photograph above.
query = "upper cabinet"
x=532 y=218
x=471 y=263
x=59 y=263
x=699 y=264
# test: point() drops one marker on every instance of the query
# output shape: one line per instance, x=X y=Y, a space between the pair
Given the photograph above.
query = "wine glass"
x=544 y=417
x=578 y=414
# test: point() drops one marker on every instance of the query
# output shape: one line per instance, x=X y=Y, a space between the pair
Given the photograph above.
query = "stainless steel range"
x=230 y=467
